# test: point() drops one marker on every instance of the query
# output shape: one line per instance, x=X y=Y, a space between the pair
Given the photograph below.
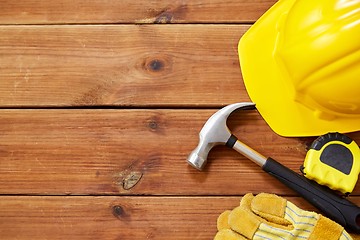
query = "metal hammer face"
x=215 y=132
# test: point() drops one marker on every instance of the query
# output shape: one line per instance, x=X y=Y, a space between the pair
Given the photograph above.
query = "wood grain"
x=120 y=65
x=126 y=11
x=134 y=152
x=99 y=109
x=115 y=217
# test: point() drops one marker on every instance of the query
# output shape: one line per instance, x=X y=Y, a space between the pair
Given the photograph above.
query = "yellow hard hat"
x=301 y=66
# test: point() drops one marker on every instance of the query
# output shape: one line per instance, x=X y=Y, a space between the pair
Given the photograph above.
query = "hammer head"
x=215 y=132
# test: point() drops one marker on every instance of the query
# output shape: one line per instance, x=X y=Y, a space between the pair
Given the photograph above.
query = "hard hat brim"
x=268 y=86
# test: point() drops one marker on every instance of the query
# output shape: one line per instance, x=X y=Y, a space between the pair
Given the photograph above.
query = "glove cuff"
x=326 y=229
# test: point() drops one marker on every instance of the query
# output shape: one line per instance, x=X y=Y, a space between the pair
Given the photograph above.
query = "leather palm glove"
x=268 y=216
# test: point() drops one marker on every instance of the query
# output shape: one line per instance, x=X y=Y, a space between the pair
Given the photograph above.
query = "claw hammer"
x=215 y=132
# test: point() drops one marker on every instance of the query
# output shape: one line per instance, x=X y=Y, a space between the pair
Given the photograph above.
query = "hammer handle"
x=332 y=205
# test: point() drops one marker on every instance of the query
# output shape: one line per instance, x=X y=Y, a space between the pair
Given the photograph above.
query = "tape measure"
x=334 y=161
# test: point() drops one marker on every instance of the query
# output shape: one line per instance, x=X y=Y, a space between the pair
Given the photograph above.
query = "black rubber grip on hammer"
x=231 y=141
x=328 y=202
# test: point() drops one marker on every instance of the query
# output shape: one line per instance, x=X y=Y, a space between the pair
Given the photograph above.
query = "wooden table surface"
x=102 y=101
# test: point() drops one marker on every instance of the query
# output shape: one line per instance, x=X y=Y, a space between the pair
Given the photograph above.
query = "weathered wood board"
x=120 y=65
x=126 y=152
x=114 y=217
x=127 y=11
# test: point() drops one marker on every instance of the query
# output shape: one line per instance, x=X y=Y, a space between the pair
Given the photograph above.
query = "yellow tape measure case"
x=334 y=161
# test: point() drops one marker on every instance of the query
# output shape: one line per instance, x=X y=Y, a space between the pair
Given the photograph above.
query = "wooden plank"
x=132 y=152
x=126 y=11
x=120 y=65
x=115 y=217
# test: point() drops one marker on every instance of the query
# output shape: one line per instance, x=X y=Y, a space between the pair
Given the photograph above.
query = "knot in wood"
x=153 y=125
x=118 y=210
x=131 y=180
x=155 y=65
x=164 y=18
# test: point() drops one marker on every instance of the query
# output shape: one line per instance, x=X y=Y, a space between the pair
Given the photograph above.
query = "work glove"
x=270 y=217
